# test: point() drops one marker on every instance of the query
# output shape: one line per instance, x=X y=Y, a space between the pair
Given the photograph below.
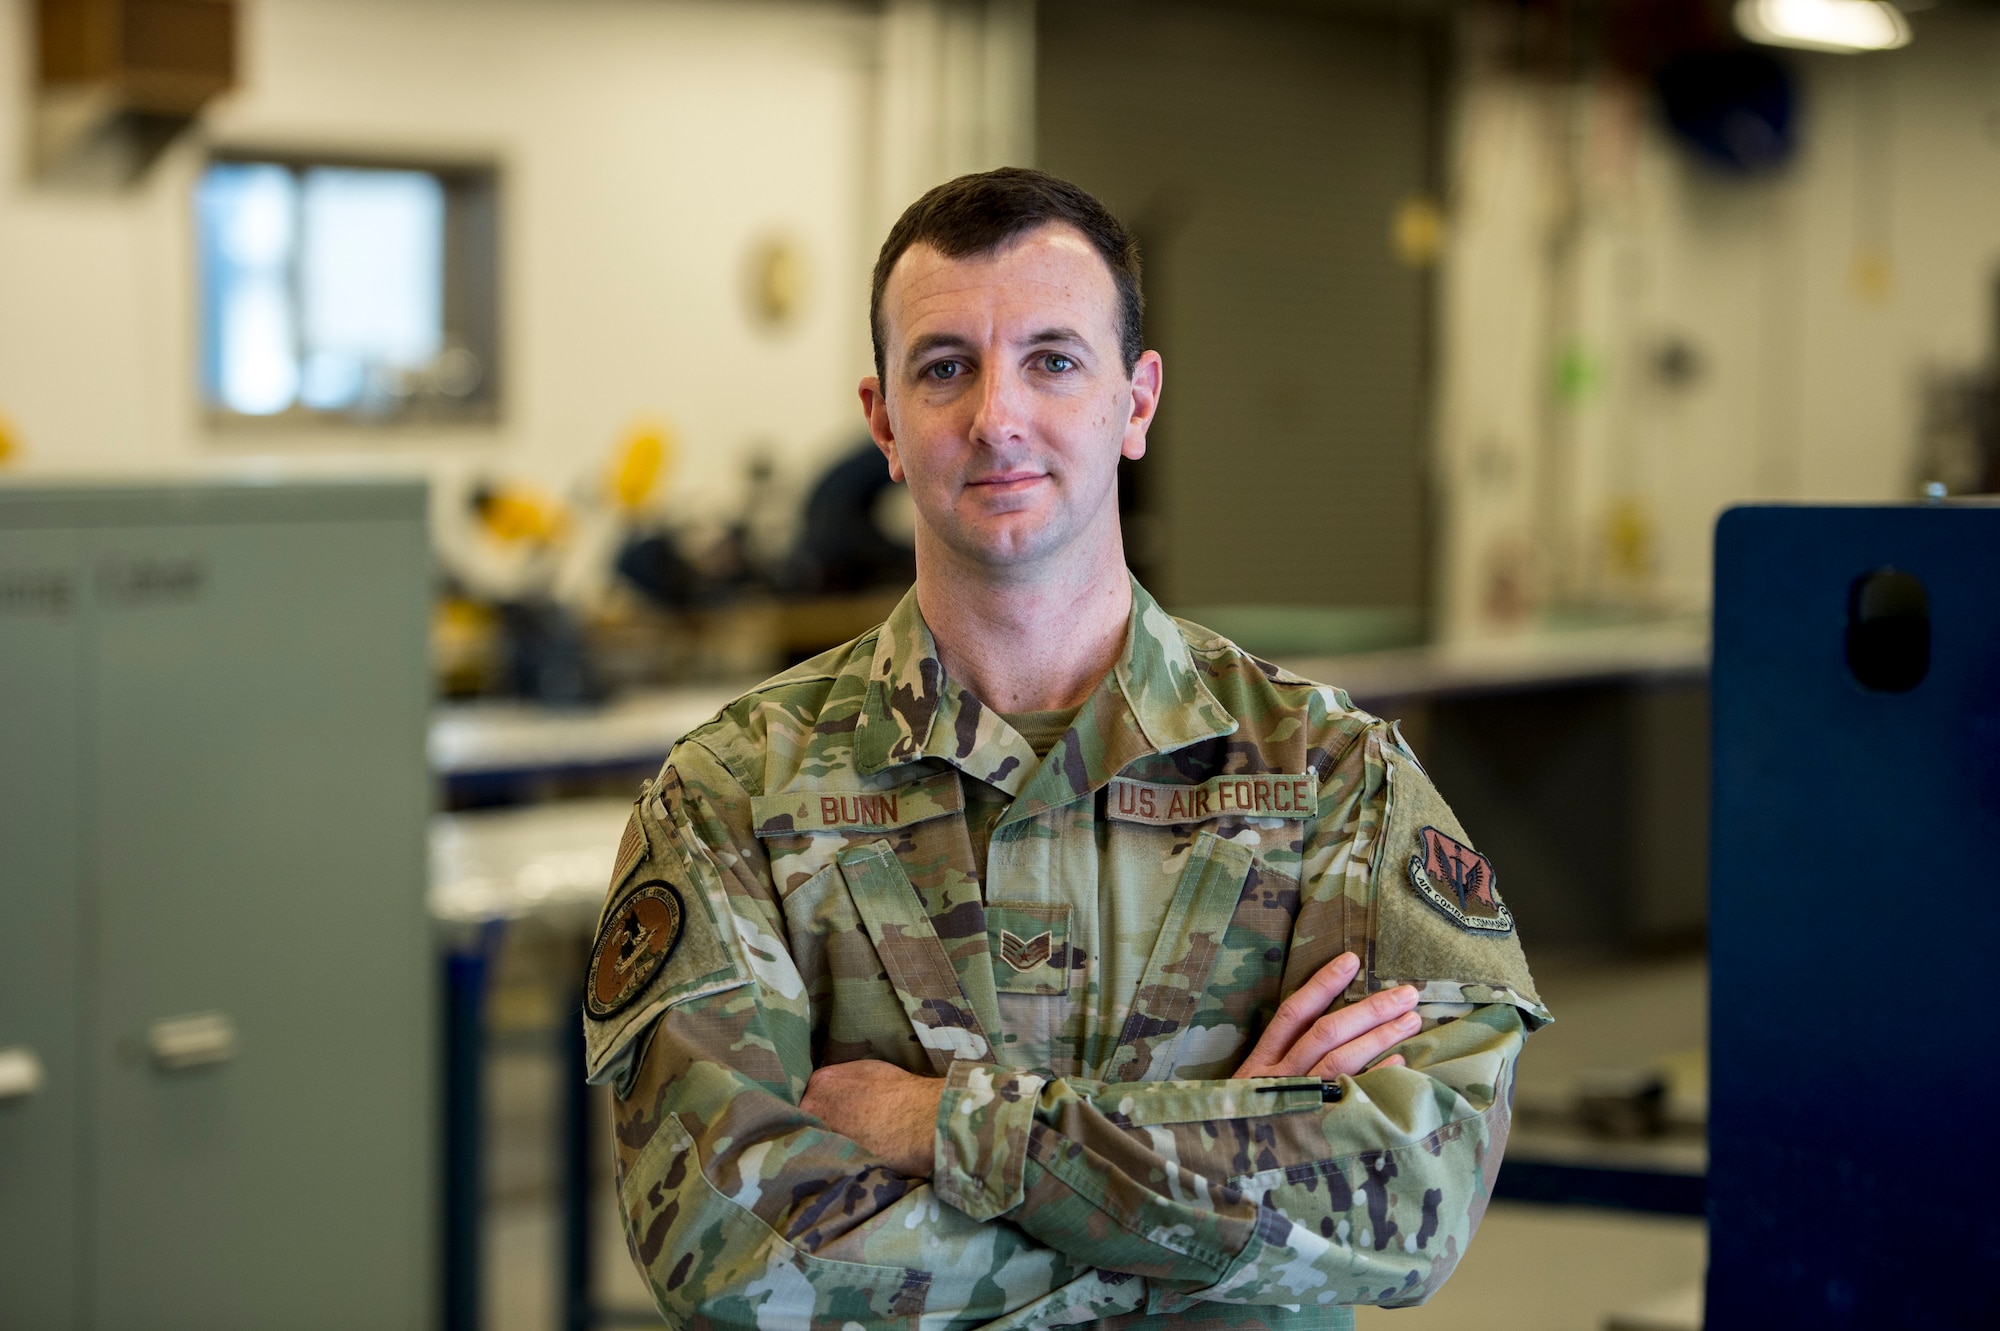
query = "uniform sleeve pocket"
x=1437 y=914
x=667 y=936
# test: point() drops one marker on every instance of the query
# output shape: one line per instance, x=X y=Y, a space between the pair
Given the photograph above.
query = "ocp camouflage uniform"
x=859 y=860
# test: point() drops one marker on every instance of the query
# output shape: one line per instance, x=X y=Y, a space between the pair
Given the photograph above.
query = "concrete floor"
x=1533 y=1268
x=1557 y=1268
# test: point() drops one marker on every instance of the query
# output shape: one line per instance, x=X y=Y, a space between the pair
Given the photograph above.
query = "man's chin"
x=1009 y=545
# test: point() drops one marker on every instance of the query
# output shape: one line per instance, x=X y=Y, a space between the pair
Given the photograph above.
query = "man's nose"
x=997 y=410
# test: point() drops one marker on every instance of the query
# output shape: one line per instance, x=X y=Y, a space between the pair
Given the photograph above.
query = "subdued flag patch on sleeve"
x=631 y=849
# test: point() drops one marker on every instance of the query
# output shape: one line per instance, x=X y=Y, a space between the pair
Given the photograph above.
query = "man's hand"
x=887 y=1110
x=1306 y=1040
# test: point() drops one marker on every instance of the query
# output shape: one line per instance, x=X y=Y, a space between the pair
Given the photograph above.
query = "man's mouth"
x=1006 y=482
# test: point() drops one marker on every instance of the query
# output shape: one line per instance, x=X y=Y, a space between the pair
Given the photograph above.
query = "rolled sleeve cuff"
x=984 y=1118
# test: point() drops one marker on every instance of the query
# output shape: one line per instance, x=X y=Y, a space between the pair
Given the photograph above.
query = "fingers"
x=1353 y=1055
x=1301 y=1009
x=1357 y=1022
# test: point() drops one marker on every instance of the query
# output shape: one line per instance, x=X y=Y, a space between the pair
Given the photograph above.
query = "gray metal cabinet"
x=41 y=848
x=217 y=1032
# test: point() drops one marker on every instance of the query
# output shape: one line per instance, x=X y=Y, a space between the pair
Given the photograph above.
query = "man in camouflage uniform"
x=1038 y=958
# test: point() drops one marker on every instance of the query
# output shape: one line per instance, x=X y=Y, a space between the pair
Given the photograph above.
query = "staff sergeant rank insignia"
x=635 y=943
x=1459 y=881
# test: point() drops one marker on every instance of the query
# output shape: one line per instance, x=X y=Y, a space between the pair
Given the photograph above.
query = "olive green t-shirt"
x=1041 y=729
x=984 y=804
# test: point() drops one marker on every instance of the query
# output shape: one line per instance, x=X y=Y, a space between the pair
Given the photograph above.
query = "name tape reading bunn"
x=856 y=810
x=1263 y=795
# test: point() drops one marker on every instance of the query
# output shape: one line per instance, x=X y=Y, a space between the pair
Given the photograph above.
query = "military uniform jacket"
x=859 y=860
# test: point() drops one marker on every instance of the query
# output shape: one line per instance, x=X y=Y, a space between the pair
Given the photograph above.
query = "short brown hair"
x=980 y=213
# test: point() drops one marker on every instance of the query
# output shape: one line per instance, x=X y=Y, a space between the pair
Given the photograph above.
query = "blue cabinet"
x=1856 y=791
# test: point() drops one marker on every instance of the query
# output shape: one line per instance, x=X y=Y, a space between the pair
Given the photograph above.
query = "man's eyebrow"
x=1069 y=335
x=930 y=342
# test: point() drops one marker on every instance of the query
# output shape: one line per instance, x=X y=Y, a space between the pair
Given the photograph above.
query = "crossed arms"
x=856 y=1191
x=893 y=1113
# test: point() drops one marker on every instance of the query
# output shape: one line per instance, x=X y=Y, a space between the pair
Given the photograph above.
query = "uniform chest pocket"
x=940 y=967
x=856 y=1013
x=1030 y=945
x=1183 y=962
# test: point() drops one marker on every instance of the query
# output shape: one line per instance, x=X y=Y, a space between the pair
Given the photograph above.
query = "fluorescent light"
x=1823 y=25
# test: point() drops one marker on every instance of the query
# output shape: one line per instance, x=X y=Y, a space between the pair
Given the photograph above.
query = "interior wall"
x=957 y=95
x=1261 y=154
x=645 y=146
x=1633 y=340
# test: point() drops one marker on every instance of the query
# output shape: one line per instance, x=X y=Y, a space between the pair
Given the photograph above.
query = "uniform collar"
x=1152 y=701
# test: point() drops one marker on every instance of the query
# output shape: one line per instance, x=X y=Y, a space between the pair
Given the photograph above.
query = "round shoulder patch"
x=1459 y=881
x=636 y=941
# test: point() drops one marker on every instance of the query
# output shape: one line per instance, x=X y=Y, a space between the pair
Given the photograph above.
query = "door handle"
x=193 y=1041
x=21 y=1073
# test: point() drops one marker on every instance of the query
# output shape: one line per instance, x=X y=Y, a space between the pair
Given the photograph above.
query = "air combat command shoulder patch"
x=1459 y=881
x=636 y=941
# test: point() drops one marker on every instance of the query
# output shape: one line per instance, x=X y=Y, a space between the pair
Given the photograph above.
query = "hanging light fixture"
x=1823 y=25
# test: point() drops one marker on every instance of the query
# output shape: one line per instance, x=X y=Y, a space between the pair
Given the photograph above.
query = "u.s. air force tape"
x=1250 y=795
x=635 y=942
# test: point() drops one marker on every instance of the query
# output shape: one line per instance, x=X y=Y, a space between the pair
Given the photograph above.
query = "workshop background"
x=549 y=313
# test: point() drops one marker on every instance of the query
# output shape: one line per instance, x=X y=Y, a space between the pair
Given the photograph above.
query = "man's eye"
x=944 y=369
x=1057 y=363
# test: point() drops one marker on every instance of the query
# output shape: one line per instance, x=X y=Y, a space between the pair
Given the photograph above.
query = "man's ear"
x=1147 y=378
x=875 y=406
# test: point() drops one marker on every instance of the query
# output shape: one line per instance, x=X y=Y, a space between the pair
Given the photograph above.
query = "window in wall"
x=347 y=291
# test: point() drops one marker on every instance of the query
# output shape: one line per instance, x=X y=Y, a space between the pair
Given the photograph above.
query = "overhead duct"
x=119 y=80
